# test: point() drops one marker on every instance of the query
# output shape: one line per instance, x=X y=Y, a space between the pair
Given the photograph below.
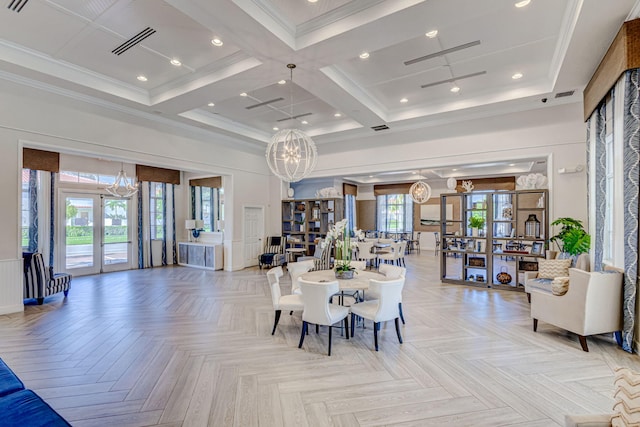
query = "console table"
x=200 y=255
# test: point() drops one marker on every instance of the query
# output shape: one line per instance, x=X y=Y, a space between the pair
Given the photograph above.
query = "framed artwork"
x=430 y=214
x=536 y=248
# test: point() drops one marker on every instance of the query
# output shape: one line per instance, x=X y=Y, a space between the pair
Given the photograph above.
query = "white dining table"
x=360 y=281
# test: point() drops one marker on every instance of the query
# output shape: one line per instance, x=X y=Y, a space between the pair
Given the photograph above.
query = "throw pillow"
x=627 y=396
x=552 y=268
x=560 y=285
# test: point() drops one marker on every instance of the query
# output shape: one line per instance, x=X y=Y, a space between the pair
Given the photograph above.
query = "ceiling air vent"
x=17 y=5
x=563 y=94
x=380 y=127
x=443 y=52
x=133 y=41
x=271 y=101
x=297 y=116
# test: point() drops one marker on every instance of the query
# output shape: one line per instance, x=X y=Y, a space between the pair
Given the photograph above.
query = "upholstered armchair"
x=40 y=281
x=535 y=280
x=592 y=305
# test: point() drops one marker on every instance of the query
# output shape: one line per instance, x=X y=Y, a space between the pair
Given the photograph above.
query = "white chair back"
x=364 y=250
x=386 y=241
x=391 y=271
x=389 y=296
x=359 y=265
x=316 y=297
x=273 y=276
x=297 y=269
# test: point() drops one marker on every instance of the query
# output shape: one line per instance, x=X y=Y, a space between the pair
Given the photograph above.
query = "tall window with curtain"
x=207 y=201
x=394 y=213
x=156 y=211
x=350 y=191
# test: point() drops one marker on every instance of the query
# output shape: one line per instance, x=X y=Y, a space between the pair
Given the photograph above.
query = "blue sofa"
x=22 y=407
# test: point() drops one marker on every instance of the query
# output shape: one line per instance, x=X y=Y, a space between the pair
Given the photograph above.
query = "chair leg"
x=40 y=301
x=317 y=329
x=330 y=329
x=398 y=330
x=275 y=322
x=291 y=313
x=535 y=325
x=400 y=310
x=375 y=334
x=66 y=293
x=583 y=342
x=346 y=325
x=304 y=331
x=353 y=322
x=529 y=297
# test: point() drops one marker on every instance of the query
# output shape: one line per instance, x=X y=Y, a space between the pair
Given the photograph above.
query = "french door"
x=97 y=233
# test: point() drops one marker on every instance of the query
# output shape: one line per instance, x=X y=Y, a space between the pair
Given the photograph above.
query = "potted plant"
x=476 y=223
x=340 y=235
x=572 y=239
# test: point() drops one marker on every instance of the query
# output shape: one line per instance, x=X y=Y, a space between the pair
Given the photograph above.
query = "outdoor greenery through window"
x=116 y=223
x=395 y=213
x=156 y=211
x=25 y=208
x=211 y=207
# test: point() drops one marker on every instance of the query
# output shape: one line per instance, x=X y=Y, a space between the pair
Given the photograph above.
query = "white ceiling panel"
x=88 y=9
x=300 y=11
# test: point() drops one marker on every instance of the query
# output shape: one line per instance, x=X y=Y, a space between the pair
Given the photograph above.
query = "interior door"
x=253 y=233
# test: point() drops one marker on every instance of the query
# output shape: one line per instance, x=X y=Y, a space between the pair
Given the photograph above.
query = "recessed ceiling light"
x=364 y=55
x=337 y=115
x=312 y=1
x=431 y=34
x=516 y=76
x=275 y=128
x=455 y=89
x=243 y=94
x=281 y=82
x=142 y=78
x=454 y=169
x=404 y=100
x=370 y=176
x=175 y=62
x=522 y=3
x=304 y=122
x=211 y=104
x=512 y=164
x=216 y=42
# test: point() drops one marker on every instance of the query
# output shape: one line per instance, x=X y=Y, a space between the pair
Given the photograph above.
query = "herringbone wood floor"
x=178 y=346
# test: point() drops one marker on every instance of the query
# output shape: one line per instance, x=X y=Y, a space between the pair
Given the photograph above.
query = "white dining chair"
x=318 y=310
x=402 y=251
x=281 y=302
x=365 y=252
x=390 y=255
x=381 y=310
x=390 y=272
x=297 y=269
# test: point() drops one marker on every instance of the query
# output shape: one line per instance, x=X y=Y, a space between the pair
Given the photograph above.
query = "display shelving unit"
x=305 y=221
x=511 y=242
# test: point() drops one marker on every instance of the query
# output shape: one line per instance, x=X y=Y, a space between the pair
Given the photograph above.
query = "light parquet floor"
x=178 y=346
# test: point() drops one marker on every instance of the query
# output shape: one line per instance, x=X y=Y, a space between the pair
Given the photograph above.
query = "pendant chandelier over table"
x=122 y=187
x=420 y=191
x=291 y=154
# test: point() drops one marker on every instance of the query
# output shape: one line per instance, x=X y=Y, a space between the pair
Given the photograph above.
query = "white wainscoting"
x=11 y=276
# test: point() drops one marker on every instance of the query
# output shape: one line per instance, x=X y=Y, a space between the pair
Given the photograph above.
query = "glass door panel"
x=80 y=238
x=115 y=238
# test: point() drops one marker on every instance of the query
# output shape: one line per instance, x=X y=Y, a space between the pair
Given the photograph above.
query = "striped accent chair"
x=40 y=281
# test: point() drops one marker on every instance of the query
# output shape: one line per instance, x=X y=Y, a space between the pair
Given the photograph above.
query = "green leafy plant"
x=476 y=222
x=572 y=237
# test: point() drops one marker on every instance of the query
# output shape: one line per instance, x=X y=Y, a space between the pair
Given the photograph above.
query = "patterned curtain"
x=631 y=162
x=164 y=223
x=173 y=223
x=52 y=219
x=599 y=195
x=192 y=190
x=33 y=210
x=140 y=229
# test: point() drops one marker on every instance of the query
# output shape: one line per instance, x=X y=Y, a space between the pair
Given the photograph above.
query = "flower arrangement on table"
x=341 y=236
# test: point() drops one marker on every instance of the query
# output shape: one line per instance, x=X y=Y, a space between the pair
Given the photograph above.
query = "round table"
x=360 y=281
x=294 y=253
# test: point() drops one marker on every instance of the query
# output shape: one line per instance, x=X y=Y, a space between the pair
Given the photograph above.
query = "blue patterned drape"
x=631 y=163
x=33 y=210
x=52 y=219
x=164 y=223
x=192 y=189
x=173 y=223
x=140 y=229
x=599 y=195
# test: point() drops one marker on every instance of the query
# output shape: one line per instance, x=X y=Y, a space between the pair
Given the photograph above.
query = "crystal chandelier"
x=291 y=154
x=420 y=191
x=122 y=187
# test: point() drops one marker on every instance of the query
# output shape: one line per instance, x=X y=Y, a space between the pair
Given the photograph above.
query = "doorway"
x=97 y=232
x=253 y=234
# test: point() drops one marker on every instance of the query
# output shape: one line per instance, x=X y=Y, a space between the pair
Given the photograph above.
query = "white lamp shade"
x=190 y=224
x=199 y=224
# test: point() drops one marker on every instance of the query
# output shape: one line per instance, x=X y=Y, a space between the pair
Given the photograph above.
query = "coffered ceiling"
x=98 y=49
